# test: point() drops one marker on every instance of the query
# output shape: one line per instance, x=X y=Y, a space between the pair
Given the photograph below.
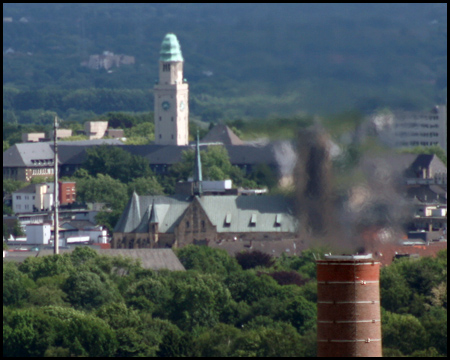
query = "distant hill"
x=242 y=60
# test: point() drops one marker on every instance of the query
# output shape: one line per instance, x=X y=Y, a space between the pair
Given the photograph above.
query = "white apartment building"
x=23 y=200
x=411 y=129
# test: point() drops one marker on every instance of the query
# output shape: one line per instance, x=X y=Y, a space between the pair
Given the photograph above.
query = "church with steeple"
x=201 y=212
x=171 y=96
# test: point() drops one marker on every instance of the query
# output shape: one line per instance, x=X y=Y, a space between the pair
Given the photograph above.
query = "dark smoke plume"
x=313 y=186
x=373 y=205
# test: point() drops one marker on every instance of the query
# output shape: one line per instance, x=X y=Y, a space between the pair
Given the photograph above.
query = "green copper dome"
x=170 y=49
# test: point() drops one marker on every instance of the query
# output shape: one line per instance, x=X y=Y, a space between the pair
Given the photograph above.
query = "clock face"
x=182 y=105
x=165 y=105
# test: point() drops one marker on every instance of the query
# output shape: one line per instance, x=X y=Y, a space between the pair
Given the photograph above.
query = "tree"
x=435 y=325
x=145 y=186
x=38 y=267
x=250 y=260
x=9 y=185
x=249 y=287
x=86 y=290
x=394 y=289
x=216 y=165
x=300 y=313
x=103 y=189
x=83 y=334
x=144 y=130
x=115 y=162
x=288 y=278
x=402 y=332
x=218 y=341
x=197 y=300
x=136 y=333
x=15 y=285
x=149 y=294
x=264 y=176
x=207 y=260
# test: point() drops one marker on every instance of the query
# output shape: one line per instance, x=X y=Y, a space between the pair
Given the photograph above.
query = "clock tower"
x=171 y=96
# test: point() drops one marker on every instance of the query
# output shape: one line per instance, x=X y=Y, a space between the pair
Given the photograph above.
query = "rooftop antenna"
x=55 y=190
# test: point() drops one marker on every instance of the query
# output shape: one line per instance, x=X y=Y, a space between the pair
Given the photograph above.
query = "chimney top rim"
x=348 y=257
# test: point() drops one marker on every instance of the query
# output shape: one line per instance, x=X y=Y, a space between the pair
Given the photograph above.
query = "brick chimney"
x=348 y=306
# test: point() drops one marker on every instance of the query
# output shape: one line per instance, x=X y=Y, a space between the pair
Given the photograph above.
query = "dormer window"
x=253 y=220
x=278 y=220
x=227 y=222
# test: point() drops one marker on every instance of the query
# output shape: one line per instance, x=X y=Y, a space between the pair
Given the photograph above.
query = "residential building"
x=24 y=200
x=39 y=197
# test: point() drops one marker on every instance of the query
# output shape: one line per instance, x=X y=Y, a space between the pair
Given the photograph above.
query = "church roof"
x=222 y=133
x=168 y=210
x=227 y=213
x=170 y=49
x=235 y=213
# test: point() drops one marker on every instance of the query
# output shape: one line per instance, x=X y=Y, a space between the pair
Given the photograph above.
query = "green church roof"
x=170 y=49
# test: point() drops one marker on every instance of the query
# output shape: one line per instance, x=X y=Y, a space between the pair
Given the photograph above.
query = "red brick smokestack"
x=348 y=306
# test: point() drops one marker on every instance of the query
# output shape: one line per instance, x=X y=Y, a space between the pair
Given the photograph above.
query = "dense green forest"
x=84 y=304
x=241 y=60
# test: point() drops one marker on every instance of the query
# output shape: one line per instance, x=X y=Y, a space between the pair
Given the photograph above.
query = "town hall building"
x=171 y=96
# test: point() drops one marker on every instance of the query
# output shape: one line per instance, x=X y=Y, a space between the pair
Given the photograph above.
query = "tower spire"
x=198 y=169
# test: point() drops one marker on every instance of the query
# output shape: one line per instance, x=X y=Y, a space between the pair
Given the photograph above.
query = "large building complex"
x=411 y=129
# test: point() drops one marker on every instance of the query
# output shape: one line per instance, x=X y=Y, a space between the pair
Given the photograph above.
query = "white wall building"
x=23 y=200
x=38 y=234
x=412 y=128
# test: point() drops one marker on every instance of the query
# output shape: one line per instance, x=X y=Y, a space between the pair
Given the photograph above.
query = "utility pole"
x=55 y=191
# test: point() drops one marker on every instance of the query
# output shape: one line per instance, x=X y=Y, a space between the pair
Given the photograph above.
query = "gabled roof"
x=70 y=152
x=427 y=194
x=228 y=213
x=29 y=189
x=78 y=224
x=168 y=208
x=20 y=155
x=232 y=213
x=23 y=154
x=154 y=259
x=223 y=134
x=407 y=165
